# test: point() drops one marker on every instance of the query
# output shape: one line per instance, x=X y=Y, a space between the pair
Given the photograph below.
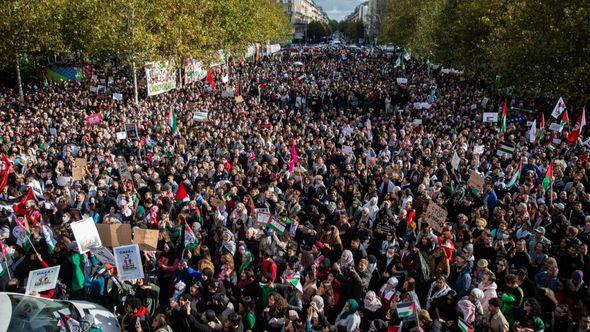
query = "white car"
x=19 y=312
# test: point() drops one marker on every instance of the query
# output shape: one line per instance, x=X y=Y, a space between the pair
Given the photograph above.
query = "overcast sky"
x=338 y=9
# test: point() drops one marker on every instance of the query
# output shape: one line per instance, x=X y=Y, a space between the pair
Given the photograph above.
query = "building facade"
x=376 y=14
x=301 y=12
x=360 y=13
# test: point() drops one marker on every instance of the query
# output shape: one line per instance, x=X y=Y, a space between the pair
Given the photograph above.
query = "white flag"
x=559 y=108
x=533 y=132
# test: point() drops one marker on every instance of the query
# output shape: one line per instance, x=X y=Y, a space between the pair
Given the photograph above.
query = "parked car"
x=19 y=312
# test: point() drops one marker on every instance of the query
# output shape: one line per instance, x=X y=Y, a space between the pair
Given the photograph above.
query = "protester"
x=306 y=203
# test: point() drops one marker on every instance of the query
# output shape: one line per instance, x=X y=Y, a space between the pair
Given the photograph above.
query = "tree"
x=317 y=30
x=27 y=28
x=354 y=30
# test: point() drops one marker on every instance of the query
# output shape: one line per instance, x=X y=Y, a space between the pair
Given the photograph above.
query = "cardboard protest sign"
x=263 y=218
x=239 y=99
x=146 y=239
x=78 y=169
x=490 y=117
x=104 y=255
x=42 y=280
x=86 y=234
x=435 y=216
x=128 y=262
x=475 y=181
x=94 y=119
x=113 y=235
x=131 y=130
x=478 y=149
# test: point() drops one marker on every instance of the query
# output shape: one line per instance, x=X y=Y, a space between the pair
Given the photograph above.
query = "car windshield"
x=37 y=314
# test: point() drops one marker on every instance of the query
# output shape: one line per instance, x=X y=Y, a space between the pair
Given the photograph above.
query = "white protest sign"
x=263 y=218
x=128 y=262
x=42 y=280
x=117 y=96
x=559 y=108
x=63 y=181
x=347 y=149
x=93 y=88
x=229 y=93
x=86 y=235
x=200 y=116
x=491 y=117
x=425 y=106
x=478 y=149
x=402 y=80
x=121 y=135
x=104 y=255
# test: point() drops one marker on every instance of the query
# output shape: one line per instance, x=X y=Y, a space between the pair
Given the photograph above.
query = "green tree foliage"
x=539 y=48
x=317 y=30
x=353 y=30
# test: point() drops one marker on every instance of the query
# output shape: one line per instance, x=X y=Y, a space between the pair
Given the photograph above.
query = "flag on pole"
x=181 y=194
x=533 y=132
x=515 y=177
x=548 y=177
x=294 y=158
x=542 y=127
x=464 y=327
x=559 y=108
x=301 y=78
x=209 y=78
x=20 y=208
x=172 y=121
x=5 y=171
x=190 y=240
x=406 y=309
x=503 y=116
x=572 y=137
x=565 y=120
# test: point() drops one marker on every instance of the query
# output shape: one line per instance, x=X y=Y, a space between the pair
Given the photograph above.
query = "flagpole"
x=7 y=268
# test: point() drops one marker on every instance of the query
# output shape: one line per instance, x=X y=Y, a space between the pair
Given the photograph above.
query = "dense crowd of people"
x=343 y=155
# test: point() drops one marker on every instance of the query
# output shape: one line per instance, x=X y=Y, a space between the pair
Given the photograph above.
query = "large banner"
x=160 y=77
x=42 y=280
x=193 y=71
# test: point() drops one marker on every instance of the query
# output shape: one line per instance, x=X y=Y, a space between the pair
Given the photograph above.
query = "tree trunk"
x=135 y=91
x=19 y=81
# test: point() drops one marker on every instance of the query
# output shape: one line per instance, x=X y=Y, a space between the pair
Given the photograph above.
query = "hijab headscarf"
x=389 y=293
x=372 y=302
x=348 y=259
x=353 y=307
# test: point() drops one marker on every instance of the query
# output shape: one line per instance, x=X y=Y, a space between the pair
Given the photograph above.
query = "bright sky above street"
x=338 y=9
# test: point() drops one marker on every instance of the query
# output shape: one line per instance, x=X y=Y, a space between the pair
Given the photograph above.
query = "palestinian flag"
x=20 y=208
x=3 y=259
x=464 y=327
x=505 y=149
x=49 y=239
x=301 y=78
x=542 y=127
x=181 y=194
x=572 y=137
x=296 y=282
x=190 y=240
x=548 y=177
x=503 y=116
x=69 y=323
x=406 y=309
x=172 y=121
x=515 y=177
x=565 y=120
x=276 y=225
